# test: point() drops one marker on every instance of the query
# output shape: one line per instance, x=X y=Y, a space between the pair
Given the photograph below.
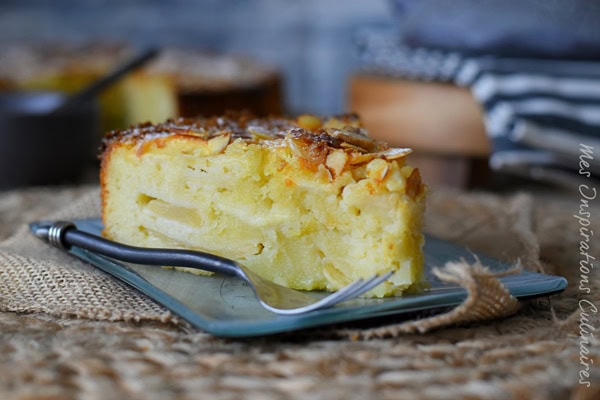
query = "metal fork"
x=273 y=297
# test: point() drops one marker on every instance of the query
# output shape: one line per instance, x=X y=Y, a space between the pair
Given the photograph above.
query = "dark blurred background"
x=310 y=41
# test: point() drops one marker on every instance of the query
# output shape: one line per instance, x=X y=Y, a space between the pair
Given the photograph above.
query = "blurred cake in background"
x=178 y=83
x=189 y=83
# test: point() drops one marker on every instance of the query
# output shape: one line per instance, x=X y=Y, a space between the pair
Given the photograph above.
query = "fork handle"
x=65 y=234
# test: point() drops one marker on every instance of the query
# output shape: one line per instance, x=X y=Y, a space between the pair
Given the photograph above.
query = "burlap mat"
x=37 y=278
x=146 y=352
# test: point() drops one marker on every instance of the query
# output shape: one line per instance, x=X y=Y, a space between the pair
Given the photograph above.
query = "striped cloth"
x=540 y=114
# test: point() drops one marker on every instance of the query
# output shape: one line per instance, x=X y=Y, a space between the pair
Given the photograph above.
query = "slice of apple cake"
x=308 y=203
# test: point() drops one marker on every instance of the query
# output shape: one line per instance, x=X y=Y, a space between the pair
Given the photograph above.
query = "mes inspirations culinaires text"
x=587 y=308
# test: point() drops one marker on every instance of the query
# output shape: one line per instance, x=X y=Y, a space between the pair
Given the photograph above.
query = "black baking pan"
x=41 y=144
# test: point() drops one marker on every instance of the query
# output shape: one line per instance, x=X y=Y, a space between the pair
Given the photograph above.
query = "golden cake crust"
x=314 y=136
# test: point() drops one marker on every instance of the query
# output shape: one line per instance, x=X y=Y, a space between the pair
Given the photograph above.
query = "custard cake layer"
x=310 y=204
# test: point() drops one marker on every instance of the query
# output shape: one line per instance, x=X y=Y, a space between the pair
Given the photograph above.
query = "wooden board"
x=430 y=117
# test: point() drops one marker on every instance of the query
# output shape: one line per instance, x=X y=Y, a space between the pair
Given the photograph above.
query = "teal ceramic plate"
x=226 y=306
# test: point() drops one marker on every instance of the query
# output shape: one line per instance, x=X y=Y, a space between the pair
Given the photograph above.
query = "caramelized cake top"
x=308 y=133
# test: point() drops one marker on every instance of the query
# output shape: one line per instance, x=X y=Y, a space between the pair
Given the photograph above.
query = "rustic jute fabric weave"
x=69 y=331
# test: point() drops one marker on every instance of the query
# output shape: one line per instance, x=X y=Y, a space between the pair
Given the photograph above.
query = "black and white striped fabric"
x=538 y=112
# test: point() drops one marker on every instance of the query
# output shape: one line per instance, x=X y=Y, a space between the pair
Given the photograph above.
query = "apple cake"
x=310 y=203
